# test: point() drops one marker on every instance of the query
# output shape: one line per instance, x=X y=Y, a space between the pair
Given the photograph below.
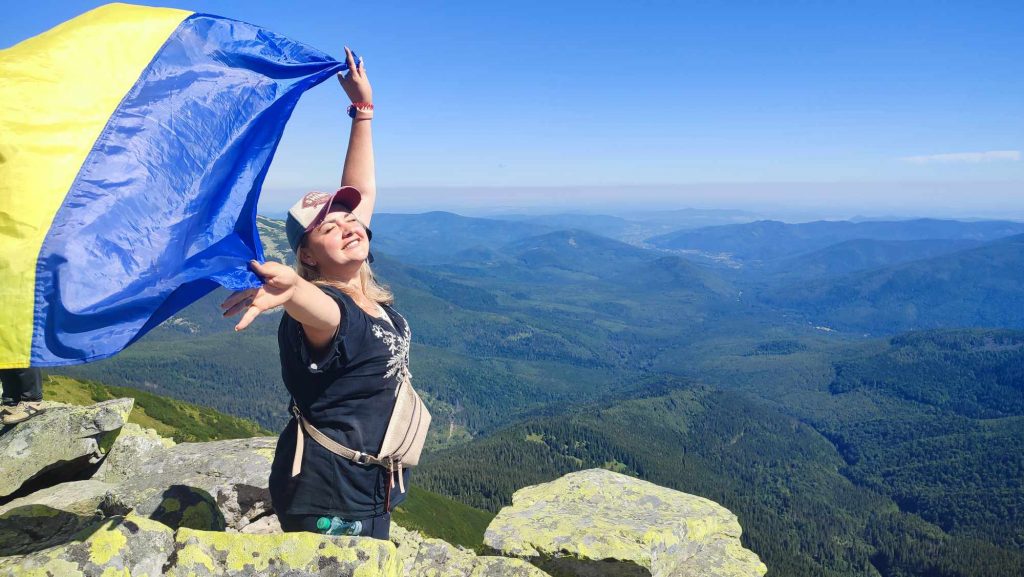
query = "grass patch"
x=178 y=420
x=443 y=518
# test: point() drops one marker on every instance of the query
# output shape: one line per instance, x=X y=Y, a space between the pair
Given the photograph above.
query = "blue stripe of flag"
x=164 y=207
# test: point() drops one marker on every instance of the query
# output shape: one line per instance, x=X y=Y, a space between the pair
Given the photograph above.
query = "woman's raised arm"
x=359 y=169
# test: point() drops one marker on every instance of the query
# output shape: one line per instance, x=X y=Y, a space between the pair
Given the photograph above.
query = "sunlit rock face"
x=598 y=522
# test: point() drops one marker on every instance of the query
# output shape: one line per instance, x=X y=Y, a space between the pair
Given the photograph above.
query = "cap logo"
x=314 y=199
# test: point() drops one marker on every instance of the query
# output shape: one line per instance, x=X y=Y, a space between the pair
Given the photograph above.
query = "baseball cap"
x=311 y=209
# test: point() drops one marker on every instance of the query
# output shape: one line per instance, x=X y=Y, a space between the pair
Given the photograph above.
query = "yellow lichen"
x=105 y=543
x=51 y=568
x=193 y=554
x=297 y=551
x=113 y=572
x=147 y=524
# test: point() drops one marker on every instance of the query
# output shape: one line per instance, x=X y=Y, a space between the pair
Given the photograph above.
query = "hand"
x=356 y=84
x=279 y=282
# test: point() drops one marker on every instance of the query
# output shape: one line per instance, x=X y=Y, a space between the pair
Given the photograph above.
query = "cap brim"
x=346 y=195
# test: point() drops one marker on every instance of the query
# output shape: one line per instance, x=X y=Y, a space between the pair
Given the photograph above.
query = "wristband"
x=360 y=107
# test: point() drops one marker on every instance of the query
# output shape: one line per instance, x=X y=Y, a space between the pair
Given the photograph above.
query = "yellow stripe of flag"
x=58 y=91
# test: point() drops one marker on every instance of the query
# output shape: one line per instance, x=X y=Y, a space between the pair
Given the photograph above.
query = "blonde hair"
x=373 y=290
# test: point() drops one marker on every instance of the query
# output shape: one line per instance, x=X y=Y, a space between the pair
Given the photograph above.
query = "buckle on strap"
x=361 y=458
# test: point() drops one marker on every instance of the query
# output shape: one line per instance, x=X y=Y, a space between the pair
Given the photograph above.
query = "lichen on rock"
x=130 y=545
x=597 y=522
x=209 y=553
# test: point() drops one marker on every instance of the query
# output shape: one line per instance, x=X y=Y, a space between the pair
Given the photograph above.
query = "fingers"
x=350 y=60
x=236 y=298
x=239 y=307
x=265 y=269
x=277 y=282
x=250 y=315
x=269 y=271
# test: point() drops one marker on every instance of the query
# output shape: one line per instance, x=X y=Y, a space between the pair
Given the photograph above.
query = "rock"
x=208 y=553
x=59 y=443
x=426 y=557
x=133 y=446
x=213 y=486
x=597 y=522
x=54 y=515
x=263 y=526
x=128 y=545
x=80 y=497
x=31 y=528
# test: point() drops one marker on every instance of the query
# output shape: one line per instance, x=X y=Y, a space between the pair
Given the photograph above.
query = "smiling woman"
x=344 y=355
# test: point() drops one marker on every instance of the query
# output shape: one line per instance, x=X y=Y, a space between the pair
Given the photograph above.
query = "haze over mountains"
x=765 y=365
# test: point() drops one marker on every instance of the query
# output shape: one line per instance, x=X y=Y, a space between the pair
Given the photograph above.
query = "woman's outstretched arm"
x=359 y=169
x=282 y=286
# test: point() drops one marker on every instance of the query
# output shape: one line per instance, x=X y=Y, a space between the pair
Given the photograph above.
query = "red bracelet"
x=359 y=107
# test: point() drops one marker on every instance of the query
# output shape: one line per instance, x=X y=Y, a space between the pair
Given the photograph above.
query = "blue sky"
x=891 y=107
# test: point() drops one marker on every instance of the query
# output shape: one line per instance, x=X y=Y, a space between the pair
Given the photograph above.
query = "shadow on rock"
x=185 y=506
x=32 y=528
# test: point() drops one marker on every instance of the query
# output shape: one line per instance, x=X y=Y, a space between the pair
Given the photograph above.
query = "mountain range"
x=765 y=365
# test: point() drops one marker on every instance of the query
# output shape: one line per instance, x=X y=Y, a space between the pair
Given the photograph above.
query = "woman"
x=343 y=349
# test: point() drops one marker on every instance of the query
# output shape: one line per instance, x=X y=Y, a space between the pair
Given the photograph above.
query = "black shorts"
x=376 y=527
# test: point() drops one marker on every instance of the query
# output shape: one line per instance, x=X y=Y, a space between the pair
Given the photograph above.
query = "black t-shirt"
x=348 y=393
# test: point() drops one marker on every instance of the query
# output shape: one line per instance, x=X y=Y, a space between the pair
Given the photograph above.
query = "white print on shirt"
x=398 y=345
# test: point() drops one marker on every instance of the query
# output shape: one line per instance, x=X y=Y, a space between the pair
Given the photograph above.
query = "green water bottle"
x=336 y=526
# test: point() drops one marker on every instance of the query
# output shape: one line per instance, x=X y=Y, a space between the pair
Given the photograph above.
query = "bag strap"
x=326 y=442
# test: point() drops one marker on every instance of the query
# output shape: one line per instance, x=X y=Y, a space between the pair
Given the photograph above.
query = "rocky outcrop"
x=131 y=545
x=153 y=507
x=215 y=485
x=59 y=443
x=597 y=522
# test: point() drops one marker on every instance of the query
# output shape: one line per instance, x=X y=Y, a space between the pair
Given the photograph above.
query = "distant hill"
x=780 y=477
x=275 y=240
x=609 y=226
x=576 y=251
x=630 y=230
x=980 y=287
x=435 y=237
x=569 y=258
x=861 y=254
x=766 y=240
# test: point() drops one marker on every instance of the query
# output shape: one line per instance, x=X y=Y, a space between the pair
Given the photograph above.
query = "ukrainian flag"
x=133 y=145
